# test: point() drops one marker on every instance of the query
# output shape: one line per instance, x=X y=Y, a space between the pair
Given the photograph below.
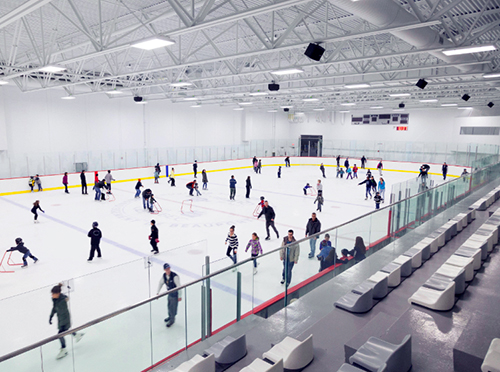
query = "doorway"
x=311 y=145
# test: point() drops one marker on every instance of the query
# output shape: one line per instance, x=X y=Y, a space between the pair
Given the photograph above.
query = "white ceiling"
x=227 y=49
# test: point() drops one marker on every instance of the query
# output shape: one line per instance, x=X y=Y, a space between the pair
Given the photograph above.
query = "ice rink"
x=122 y=278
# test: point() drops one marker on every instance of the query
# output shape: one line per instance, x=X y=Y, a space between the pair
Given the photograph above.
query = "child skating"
x=341 y=172
x=60 y=307
x=31 y=183
x=232 y=239
x=36 y=206
x=196 y=186
x=204 y=179
x=377 y=200
x=38 y=182
x=279 y=172
x=307 y=186
x=355 y=171
x=319 y=199
x=24 y=250
x=254 y=243
x=349 y=173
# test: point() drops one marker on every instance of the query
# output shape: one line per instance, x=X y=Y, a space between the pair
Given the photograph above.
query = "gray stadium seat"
x=440 y=300
x=380 y=288
x=405 y=263
x=491 y=361
x=349 y=368
x=259 y=365
x=378 y=355
x=198 y=364
x=456 y=273
x=295 y=354
x=229 y=350
x=393 y=272
x=357 y=302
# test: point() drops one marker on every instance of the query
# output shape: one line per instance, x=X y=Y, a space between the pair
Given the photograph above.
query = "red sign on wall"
x=402 y=128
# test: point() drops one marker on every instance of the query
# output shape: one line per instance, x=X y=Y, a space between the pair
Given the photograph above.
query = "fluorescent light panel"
x=492 y=75
x=469 y=50
x=68 y=97
x=196 y=106
x=347 y=104
x=428 y=100
x=355 y=86
x=319 y=109
x=310 y=100
x=272 y=110
x=114 y=92
x=288 y=107
x=52 y=68
x=3 y=82
x=259 y=94
x=400 y=95
x=377 y=107
x=238 y=109
x=449 y=104
x=190 y=99
x=345 y=111
x=153 y=43
x=181 y=84
x=287 y=71
x=245 y=103
x=464 y=108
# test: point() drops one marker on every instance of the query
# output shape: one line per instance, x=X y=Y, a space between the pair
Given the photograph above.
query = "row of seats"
x=483 y=203
x=491 y=361
x=377 y=355
x=361 y=299
x=438 y=293
x=289 y=355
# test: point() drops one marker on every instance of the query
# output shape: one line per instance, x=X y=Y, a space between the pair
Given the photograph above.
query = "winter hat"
x=139 y=179
x=95 y=224
x=262 y=198
x=18 y=240
x=153 y=222
x=166 y=266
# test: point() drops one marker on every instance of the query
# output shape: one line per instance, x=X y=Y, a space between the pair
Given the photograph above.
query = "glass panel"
x=31 y=361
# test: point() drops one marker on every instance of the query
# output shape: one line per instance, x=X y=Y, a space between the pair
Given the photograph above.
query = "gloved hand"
x=149 y=237
x=50 y=320
x=157 y=240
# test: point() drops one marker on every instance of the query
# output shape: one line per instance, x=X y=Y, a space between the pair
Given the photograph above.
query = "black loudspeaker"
x=491 y=104
x=314 y=52
x=421 y=84
x=466 y=97
x=286 y=109
x=137 y=99
x=273 y=87
x=401 y=105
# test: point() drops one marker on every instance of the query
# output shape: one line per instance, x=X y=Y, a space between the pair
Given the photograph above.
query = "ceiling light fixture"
x=153 y=43
x=492 y=75
x=288 y=71
x=355 y=86
x=464 y=108
x=299 y=113
x=347 y=104
x=319 y=109
x=399 y=94
x=398 y=110
x=52 y=69
x=377 y=107
x=245 y=103
x=469 y=50
x=238 y=109
x=3 y=82
x=113 y=92
x=428 y=100
x=286 y=107
x=190 y=99
x=68 y=97
x=272 y=110
x=181 y=84
x=310 y=100
x=253 y=94
x=345 y=111
x=196 y=106
x=449 y=104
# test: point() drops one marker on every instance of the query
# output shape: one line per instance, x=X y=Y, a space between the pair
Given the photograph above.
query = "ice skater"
x=255 y=163
x=232 y=248
x=171 y=177
x=196 y=188
x=65 y=182
x=363 y=162
x=96 y=178
x=158 y=169
x=38 y=182
x=338 y=161
x=97 y=188
x=380 y=166
x=36 y=206
x=195 y=168
x=171 y=280
x=349 y=173
x=154 y=238
x=95 y=236
x=319 y=187
x=381 y=188
x=320 y=200
x=152 y=202
x=256 y=249
x=378 y=200
x=346 y=163
x=313 y=227
x=373 y=184
x=232 y=188
x=156 y=175
x=368 y=186
x=259 y=166
x=306 y=187
x=138 y=186
x=204 y=179
x=83 y=181
x=248 y=187
x=190 y=186
x=279 y=171
x=444 y=169
x=269 y=214
x=108 y=178
x=60 y=308
x=293 y=253
x=287 y=162
x=355 y=171
x=322 y=169
x=31 y=183
x=25 y=252
x=341 y=172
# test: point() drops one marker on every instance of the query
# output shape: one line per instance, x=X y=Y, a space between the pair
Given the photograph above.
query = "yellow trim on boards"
x=209 y=171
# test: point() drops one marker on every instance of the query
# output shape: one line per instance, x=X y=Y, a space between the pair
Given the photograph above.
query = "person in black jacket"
x=444 y=168
x=268 y=212
x=346 y=163
x=154 y=237
x=83 y=180
x=338 y=161
x=98 y=192
x=60 y=307
x=95 y=236
x=36 y=206
x=322 y=169
x=373 y=184
x=195 y=168
x=363 y=162
x=248 y=186
x=368 y=185
x=24 y=250
x=138 y=186
x=146 y=194
x=359 y=251
x=313 y=227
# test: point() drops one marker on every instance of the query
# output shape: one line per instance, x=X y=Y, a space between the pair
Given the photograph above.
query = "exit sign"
x=403 y=128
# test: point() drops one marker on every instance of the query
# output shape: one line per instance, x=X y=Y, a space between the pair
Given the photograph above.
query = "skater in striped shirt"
x=232 y=239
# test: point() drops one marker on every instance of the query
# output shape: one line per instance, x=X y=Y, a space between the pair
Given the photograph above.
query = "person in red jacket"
x=355 y=171
x=190 y=186
x=96 y=178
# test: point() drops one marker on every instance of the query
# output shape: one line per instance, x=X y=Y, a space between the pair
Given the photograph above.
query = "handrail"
x=156 y=297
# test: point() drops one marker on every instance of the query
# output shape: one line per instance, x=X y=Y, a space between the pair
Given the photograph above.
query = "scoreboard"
x=381 y=119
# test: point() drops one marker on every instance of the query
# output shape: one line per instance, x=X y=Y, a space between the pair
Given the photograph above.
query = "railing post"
x=208 y=299
x=238 y=296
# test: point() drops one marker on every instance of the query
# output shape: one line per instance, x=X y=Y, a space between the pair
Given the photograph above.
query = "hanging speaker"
x=421 y=84
x=401 y=105
x=273 y=87
x=491 y=104
x=137 y=99
x=314 y=51
x=466 y=97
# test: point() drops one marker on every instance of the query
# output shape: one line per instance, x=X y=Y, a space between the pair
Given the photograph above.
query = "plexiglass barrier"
x=135 y=337
x=22 y=165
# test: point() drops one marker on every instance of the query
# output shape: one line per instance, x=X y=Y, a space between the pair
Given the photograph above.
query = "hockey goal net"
x=187 y=205
x=7 y=260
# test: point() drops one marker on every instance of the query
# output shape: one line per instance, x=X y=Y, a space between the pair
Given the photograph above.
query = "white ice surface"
x=120 y=278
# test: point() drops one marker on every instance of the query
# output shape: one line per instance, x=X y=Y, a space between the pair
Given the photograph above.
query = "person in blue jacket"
x=232 y=188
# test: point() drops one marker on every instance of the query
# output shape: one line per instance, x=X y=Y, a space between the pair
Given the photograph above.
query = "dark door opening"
x=311 y=145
